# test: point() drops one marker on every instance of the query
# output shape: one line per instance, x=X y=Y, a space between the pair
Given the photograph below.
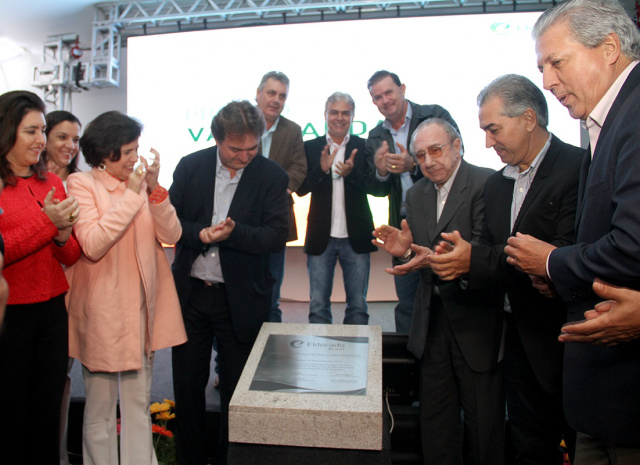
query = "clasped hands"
x=387 y=162
x=217 y=232
x=449 y=259
x=147 y=172
x=62 y=213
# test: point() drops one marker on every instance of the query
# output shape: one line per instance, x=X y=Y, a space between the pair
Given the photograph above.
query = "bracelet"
x=406 y=255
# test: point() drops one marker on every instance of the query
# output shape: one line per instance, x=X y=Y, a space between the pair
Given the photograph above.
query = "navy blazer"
x=547 y=213
x=475 y=316
x=320 y=184
x=260 y=211
x=602 y=384
x=393 y=186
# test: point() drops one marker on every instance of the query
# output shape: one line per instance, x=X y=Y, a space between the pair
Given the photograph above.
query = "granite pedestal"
x=329 y=394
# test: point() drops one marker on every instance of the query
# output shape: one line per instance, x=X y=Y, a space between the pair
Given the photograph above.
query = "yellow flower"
x=171 y=403
x=155 y=407
x=165 y=415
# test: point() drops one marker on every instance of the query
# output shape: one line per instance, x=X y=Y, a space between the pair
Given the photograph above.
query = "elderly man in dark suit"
x=588 y=52
x=393 y=170
x=281 y=142
x=455 y=332
x=339 y=224
x=232 y=204
x=535 y=194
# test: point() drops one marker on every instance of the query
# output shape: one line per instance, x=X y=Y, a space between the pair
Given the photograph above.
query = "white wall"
x=31 y=30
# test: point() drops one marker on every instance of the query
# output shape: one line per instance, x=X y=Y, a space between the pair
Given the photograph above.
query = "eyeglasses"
x=434 y=151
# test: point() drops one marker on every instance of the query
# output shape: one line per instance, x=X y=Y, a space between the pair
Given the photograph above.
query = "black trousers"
x=34 y=351
x=449 y=387
x=536 y=423
x=206 y=316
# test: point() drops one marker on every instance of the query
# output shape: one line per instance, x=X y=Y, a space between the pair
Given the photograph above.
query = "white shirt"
x=523 y=180
x=443 y=192
x=338 y=212
x=267 y=136
x=207 y=266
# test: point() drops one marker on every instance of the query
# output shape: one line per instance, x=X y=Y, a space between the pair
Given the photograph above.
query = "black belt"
x=204 y=283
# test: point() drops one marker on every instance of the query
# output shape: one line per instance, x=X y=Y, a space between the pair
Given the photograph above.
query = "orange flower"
x=171 y=403
x=161 y=430
x=159 y=407
x=165 y=415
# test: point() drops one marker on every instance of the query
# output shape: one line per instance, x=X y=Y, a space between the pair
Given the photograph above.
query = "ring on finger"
x=72 y=217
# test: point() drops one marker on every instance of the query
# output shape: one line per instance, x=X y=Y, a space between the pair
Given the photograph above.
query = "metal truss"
x=60 y=74
x=156 y=16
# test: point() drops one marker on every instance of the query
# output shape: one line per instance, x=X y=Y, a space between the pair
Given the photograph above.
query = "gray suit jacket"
x=475 y=316
x=287 y=150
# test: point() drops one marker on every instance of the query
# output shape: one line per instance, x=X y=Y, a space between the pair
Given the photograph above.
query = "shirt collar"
x=220 y=167
x=513 y=172
x=446 y=187
x=599 y=114
x=345 y=141
x=407 y=118
x=273 y=128
x=108 y=181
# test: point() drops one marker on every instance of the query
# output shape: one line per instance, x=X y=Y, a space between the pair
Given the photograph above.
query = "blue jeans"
x=276 y=268
x=406 y=289
x=355 y=271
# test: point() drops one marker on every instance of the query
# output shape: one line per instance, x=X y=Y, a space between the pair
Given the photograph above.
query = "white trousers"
x=100 y=427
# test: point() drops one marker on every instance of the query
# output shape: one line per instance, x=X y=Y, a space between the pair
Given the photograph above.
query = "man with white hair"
x=588 y=52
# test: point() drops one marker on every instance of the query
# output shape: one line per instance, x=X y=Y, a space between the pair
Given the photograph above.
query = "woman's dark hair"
x=104 y=136
x=14 y=106
x=53 y=119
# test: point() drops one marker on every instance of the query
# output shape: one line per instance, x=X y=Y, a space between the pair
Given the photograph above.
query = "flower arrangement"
x=163 y=440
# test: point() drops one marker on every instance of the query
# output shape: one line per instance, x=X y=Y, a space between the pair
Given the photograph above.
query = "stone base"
x=310 y=419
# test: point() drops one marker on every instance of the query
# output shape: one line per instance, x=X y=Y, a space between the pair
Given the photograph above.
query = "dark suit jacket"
x=602 y=384
x=288 y=152
x=548 y=213
x=320 y=184
x=393 y=186
x=259 y=209
x=475 y=316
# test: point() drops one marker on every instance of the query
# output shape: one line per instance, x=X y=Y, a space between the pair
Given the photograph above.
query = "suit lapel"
x=430 y=209
x=539 y=181
x=247 y=183
x=622 y=99
x=277 y=140
x=582 y=182
x=208 y=185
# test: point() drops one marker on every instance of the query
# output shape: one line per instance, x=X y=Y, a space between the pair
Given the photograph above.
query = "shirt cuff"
x=158 y=195
x=382 y=178
x=547 y=266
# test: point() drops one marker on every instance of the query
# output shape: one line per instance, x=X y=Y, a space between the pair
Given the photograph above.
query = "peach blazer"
x=120 y=233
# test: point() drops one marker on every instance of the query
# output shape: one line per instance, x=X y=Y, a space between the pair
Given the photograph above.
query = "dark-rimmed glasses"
x=434 y=151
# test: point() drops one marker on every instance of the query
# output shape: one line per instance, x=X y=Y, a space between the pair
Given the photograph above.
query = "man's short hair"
x=237 y=119
x=444 y=124
x=380 y=75
x=277 y=75
x=518 y=94
x=340 y=97
x=590 y=21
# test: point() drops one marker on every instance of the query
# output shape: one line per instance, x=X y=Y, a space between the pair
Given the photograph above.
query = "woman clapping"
x=123 y=304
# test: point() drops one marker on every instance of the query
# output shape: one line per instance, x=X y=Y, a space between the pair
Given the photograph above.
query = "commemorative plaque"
x=311 y=386
x=313 y=364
